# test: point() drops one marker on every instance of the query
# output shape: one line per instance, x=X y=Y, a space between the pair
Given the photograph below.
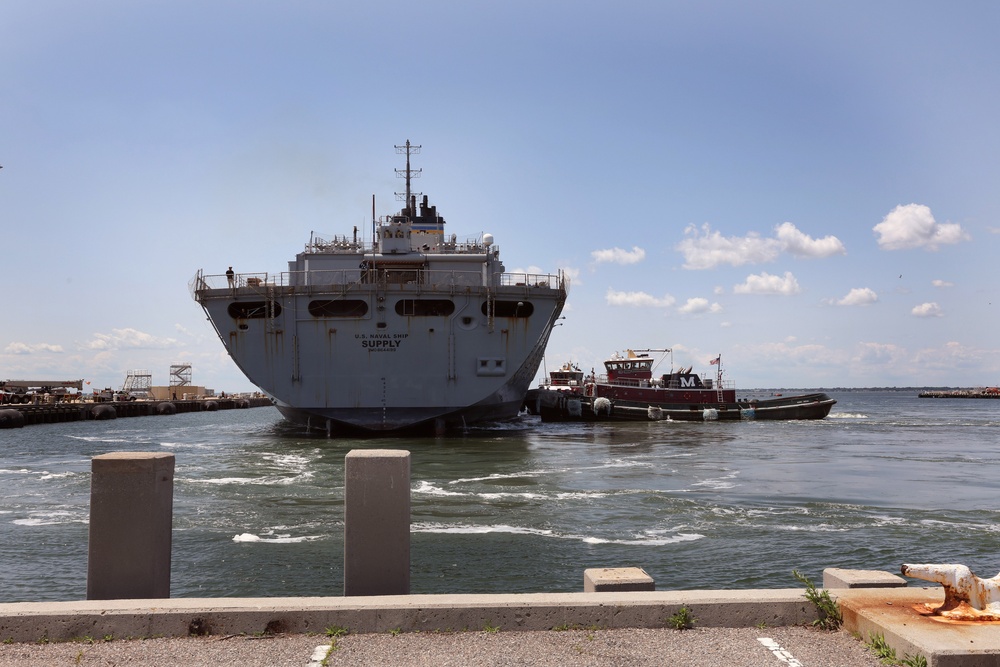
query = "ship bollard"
x=131 y=516
x=377 y=522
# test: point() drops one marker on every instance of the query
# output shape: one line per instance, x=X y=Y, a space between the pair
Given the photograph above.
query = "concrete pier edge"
x=892 y=613
x=179 y=617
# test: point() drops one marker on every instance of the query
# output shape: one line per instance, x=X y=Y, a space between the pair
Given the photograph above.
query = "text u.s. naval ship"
x=411 y=329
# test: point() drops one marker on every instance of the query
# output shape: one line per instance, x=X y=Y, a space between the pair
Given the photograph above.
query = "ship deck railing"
x=434 y=242
x=656 y=384
x=347 y=279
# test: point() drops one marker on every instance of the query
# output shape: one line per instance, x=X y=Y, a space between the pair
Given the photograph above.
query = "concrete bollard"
x=131 y=516
x=377 y=522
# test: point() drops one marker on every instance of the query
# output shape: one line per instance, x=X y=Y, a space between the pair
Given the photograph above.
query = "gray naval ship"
x=411 y=329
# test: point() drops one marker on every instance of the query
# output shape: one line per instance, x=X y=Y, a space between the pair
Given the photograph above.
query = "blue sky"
x=809 y=189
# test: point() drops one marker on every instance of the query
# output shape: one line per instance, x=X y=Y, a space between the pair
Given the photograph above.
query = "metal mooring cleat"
x=966 y=596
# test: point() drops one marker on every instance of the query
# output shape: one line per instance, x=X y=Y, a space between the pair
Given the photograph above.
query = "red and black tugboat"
x=629 y=392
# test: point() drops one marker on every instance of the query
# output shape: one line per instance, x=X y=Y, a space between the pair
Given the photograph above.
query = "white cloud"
x=913 y=226
x=640 y=299
x=942 y=283
x=705 y=249
x=121 y=339
x=859 y=296
x=619 y=256
x=765 y=283
x=25 y=348
x=802 y=245
x=698 y=305
x=870 y=354
x=929 y=309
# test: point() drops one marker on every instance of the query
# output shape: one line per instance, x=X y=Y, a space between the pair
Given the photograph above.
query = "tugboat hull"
x=559 y=406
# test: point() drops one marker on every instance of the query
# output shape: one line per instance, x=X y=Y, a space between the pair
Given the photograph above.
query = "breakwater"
x=15 y=416
x=988 y=392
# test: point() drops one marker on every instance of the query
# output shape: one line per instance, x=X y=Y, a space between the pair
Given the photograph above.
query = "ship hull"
x=382 y=371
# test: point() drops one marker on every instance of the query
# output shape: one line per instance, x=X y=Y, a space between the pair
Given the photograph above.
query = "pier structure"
x=51 y=413
x=979 y=392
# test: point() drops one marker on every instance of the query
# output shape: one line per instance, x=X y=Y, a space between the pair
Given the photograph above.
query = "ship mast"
x=408 y=173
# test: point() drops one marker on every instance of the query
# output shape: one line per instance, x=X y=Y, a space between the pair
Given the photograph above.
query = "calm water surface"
x=525 y=507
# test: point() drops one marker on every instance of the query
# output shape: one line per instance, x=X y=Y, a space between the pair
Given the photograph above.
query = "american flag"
x=716 y=360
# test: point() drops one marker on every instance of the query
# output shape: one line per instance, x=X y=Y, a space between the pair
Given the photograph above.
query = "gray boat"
x=410 y=329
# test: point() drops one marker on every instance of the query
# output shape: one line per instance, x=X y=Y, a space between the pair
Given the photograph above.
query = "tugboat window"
x=425 y=307
x=250 y=310
x=511 y=309
x=338 y=308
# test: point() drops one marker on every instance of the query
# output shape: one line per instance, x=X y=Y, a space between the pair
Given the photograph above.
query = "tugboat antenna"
x=408 y=173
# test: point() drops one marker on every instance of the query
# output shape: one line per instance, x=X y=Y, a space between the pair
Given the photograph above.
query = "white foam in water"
x=477 y=530
x=430 y=489
x=274 y=539
x=531 y=474
x=271 y=480
x=57 y=475
x=496 y=476
x=55 y=518
x=811 y=528
x=650 y=540
x=97 y=438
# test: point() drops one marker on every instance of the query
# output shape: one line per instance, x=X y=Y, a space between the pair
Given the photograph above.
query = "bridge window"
x=425 y=307
x=338 y=308
x=511 y=309
x=250 y=310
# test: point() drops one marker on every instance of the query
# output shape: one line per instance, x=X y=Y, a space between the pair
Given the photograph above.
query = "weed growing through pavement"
x=829 y=612
x=565 y=627
x=681 y=619
x=334 y=632
x=887 y=654
x=493 y=629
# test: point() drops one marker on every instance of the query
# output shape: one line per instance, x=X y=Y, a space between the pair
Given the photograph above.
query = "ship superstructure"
x=411 y=328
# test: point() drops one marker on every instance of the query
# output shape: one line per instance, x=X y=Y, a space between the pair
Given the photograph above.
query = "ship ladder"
x=269 y=308
x=490 y=304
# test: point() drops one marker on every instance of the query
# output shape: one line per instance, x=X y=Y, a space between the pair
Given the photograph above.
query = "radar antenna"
x=408 y=149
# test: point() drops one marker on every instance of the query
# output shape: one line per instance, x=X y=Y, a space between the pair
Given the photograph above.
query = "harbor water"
x=887 y=478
